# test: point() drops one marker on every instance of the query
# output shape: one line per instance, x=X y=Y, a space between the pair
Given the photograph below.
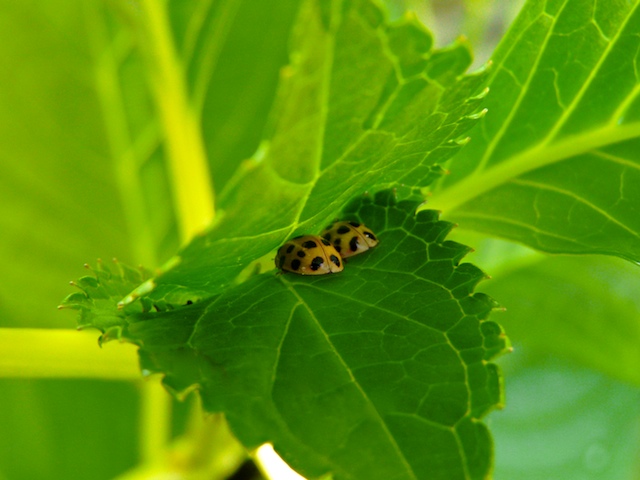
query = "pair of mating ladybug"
x=318 y=255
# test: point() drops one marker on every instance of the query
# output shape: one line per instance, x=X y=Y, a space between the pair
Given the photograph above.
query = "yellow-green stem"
x=186 y=156
x=126 y=159
x=544 y=154
x=154 y=420
x=40 y=353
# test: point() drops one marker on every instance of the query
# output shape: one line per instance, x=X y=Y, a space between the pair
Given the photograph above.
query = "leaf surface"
x=386 y=360
x=556 y=162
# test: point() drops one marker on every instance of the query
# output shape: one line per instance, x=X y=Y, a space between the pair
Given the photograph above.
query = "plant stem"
x=126 y=158
x=541 y=156
x=186 y=155
x=154 y=420
x=40 y=353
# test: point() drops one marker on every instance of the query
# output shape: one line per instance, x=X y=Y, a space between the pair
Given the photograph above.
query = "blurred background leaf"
x=564 y=421
x=84 y=429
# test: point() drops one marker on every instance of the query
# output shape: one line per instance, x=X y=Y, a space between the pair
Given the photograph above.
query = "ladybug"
x=309 y=255
x=349 y=238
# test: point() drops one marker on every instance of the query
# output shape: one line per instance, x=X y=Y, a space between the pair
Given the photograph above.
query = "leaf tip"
x=461 y=141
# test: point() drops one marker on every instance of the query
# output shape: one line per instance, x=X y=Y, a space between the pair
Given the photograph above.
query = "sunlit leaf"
x=556 y=161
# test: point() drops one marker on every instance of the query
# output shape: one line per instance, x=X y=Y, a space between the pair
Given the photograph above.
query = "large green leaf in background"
x=582 y=309
x=54 y=175
x=564 y=421
x=556 y=163
x=378 y=372
x=573 y=404
x=59 y=206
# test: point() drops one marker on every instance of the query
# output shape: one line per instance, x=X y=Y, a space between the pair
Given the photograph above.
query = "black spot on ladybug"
x=327 y=237
x=290 y=248
x=335 y=260
x=301 y=254
x=337 y=241
x=325 y=242
x=354 y=224
x=316 y=263
x=281 y=261
x=309 y=244
x=295 y=264
x=353 y=244
x=369 y=235
x=343 y=229
x=338 y=248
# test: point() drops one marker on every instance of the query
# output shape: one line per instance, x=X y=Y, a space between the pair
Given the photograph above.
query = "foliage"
x=195 y=137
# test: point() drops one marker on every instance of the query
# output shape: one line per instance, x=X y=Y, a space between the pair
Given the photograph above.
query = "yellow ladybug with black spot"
x=349 y=238
x=309 y=255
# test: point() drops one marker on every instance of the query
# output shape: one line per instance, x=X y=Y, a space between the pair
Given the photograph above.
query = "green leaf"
x=336 y=131
x=99 y=294
x=387 y=360
x=556 y=161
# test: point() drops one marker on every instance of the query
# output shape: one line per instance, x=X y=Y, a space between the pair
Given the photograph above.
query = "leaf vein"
x=383 y=423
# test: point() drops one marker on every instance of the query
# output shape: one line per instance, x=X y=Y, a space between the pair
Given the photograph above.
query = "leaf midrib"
x=541 y=156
